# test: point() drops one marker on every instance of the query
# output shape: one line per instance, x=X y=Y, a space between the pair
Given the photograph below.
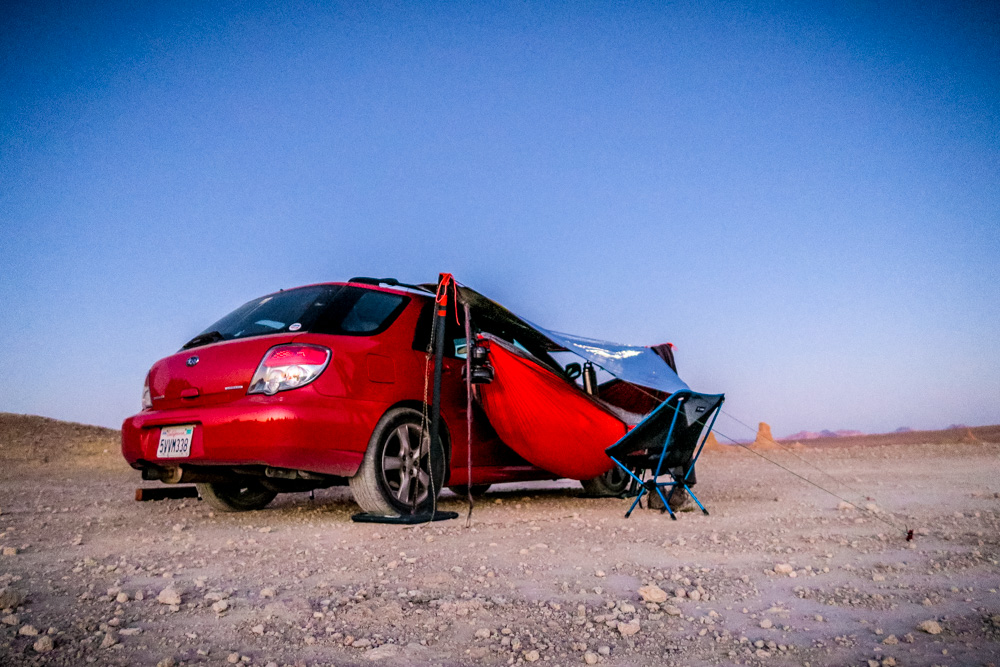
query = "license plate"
x=175 y=442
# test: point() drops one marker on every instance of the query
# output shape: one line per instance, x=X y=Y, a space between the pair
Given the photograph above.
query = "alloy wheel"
x=405 y=464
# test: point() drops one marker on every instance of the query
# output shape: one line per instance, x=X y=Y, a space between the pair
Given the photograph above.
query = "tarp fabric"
x=666 y=352
x=631 y=363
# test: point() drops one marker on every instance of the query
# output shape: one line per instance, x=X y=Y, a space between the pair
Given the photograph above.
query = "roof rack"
x=391 y=282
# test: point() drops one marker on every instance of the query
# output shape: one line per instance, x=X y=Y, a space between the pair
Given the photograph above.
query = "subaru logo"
x=192 y=360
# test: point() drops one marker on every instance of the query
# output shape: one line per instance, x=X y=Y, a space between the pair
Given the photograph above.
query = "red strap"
x=441 y=298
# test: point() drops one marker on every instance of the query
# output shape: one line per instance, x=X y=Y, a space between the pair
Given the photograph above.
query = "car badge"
x=192 y=360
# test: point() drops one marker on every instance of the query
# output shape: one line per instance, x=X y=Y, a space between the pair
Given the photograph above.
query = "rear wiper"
x=203 y=339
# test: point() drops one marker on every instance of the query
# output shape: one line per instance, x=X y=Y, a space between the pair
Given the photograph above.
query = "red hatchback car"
x=313 y=387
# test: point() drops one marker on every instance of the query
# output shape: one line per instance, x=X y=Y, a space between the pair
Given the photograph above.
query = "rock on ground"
x=653 y=593
x=44 y=644
x=10 y=598
x=169 y=596
x=931 y=627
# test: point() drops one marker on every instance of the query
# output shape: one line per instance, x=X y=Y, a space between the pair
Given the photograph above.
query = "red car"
x=320 y=386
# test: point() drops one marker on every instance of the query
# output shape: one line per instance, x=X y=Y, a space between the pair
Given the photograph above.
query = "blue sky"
x=804 y=198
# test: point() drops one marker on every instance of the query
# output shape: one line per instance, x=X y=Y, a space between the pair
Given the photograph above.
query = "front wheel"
x=236 y=496
x=394 y=476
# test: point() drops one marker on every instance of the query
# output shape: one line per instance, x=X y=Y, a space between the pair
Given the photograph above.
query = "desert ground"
x=780 y=573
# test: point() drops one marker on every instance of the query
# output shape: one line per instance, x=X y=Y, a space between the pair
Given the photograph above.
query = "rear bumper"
x=326 y=435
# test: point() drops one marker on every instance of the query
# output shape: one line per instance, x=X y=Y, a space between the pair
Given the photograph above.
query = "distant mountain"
x=812 y=435
x=956 y=435
x=31 y=438
x=845 y=433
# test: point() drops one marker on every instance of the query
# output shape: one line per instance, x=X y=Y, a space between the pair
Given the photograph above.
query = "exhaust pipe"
x=179 y=475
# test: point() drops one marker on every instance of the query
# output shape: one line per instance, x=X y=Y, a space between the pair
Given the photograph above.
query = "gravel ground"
x=781 y=573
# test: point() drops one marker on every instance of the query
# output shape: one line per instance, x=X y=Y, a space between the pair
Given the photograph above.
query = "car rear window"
x=290 y=310
x=330 y=309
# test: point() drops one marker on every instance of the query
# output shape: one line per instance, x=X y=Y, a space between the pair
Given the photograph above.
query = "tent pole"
x=440 y=313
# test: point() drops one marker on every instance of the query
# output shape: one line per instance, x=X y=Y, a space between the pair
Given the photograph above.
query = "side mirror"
x=573 y=370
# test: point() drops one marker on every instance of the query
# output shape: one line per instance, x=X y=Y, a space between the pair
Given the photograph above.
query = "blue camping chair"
x=667 y=442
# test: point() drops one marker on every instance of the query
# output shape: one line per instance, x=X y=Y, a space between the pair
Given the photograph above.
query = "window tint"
x=275 y=313
x=359 y=311
x=320 y=309
x=454 y=332
x=370 y=311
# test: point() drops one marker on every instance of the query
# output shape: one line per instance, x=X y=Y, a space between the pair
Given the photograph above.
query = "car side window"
x=370 y=311
x=357 y=311
x=454 y=335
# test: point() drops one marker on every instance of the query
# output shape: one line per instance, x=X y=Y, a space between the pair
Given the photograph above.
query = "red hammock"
x=546 y=420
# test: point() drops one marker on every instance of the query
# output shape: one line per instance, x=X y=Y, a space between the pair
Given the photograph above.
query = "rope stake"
x=905 y=529
x=892 y=524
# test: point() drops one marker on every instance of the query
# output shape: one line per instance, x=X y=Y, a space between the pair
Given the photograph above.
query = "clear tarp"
x=631 y=363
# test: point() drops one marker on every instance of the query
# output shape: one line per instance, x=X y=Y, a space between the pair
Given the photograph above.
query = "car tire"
x=611 y=484
x=237 y=496
x=478 y=490
x=394 y=475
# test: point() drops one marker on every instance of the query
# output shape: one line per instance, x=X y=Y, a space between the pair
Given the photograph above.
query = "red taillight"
x=289 y=366
x=296 y=354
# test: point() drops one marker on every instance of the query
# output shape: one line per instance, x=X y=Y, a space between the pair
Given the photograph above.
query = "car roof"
x=380 y=284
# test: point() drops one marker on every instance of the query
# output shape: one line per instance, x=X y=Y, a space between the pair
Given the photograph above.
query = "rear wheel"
x=612 y=483
x=236 y=496
x=394 y=476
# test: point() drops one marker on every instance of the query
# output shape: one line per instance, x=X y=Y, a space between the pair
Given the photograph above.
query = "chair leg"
x=635 y=481
x=642 y=490
x=673 y=487
x=666 y=504
x=691 y=493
